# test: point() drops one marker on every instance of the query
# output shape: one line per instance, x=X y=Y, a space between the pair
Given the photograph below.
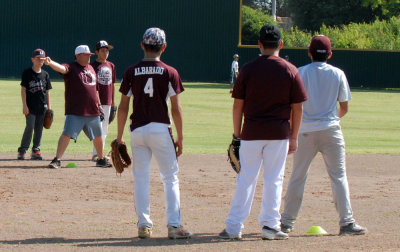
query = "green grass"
x=371 y=126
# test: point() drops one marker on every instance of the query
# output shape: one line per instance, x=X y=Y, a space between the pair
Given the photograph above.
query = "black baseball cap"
x=270 y=33
x=103 y=43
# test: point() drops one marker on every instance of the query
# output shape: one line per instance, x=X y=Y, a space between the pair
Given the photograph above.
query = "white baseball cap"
x=83 y=49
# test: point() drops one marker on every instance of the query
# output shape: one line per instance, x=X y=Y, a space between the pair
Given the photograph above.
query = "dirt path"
x=91 y=208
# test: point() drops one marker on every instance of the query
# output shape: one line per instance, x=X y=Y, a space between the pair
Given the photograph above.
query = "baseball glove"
x=48 y=118
x=120 y=156
x=113 y=112
x=233 y=154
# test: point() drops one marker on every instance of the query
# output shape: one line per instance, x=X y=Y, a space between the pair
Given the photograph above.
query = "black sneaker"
x=352 y=229
x=36 y=155
x=55 y=164
x=286 y=228
x=21 y=156
x=103 y=162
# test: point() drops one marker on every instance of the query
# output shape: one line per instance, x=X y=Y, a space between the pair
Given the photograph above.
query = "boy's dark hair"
x=271 y=44
x=270 y=36
x=152 y=48
x=320 y=57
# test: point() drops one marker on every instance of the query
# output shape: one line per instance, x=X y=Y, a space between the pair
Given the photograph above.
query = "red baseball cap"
x=320 y=44
x=38 y=53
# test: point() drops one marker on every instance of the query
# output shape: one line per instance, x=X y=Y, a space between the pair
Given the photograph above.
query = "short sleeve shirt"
x=105 y=80
x=80 y=90
x=268 y=85
x=325 y=85
x=235 y=67
x=150 y=83
x=36 y=85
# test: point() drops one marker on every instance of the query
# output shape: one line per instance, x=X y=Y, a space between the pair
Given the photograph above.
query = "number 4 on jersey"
x=148 y=89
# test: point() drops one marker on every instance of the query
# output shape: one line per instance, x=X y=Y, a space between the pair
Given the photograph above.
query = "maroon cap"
x=38 y=53
x=320 y=44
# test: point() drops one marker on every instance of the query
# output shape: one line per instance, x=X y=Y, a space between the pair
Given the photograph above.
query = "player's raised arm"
x=55 y=66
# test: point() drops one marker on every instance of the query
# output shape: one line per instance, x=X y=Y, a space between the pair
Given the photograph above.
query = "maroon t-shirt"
x=150 y=83
x=268 y=85
x=80 y=90
x=105 y=80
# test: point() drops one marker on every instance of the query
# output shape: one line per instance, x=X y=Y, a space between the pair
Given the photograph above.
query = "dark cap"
x=320 y=44
x=103 y=43
x=270 y=33
x=38 y=53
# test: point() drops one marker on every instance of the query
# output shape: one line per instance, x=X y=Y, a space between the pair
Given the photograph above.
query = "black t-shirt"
x=36 y=85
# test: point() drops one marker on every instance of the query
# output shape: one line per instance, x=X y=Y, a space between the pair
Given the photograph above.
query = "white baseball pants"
x=271 y=154
x=331 y=144
x=155 y=138
x=104 y=125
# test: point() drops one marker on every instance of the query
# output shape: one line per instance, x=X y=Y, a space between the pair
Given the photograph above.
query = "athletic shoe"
x=21 y=156
x=36 y=155
x=103 y=162
x=286 y=228
x=352 y=229
x=225 y=235
x=94 y=158
x=178 y=233
x=55 y=164
x=144 y=232
x=272 y=234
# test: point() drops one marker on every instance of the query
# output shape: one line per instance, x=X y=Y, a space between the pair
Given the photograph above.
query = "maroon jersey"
x=268 y=85
x=105 y=80
x=150 y=83
x=80 y=90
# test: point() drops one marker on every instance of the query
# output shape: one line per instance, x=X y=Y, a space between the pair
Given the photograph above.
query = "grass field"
x=371 y=126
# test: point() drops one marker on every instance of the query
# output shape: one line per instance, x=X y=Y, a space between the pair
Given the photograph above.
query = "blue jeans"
x=34 y=124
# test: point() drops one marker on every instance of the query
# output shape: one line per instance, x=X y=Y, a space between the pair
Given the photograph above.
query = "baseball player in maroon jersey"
x=268 y=94
x=105 y=71
x=150 y=83
x=82 y=104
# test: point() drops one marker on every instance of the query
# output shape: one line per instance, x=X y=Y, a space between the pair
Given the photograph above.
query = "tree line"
x=362 y=24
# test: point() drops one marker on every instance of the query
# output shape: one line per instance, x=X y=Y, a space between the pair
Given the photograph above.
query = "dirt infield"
x=89 y=208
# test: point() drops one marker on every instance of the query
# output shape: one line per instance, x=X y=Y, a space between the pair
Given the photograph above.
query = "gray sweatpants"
x=331 y=144
x=34 y=124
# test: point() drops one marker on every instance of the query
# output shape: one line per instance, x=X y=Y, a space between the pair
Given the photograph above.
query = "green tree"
x=311 y=14
x=252 y=21
x=387 y=8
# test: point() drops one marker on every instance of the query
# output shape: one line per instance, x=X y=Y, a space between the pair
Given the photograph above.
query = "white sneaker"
x=272 y=234
x=144 y=232
x=179 y=233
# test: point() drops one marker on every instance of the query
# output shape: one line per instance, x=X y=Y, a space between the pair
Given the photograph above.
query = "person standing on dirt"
x=320 y=131
x=268 y=96
x=150 y=83
x=35 y=94
x=82 y=105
